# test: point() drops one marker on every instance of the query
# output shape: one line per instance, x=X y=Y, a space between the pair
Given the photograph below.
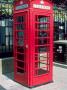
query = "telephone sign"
x=41 y=6
x=22 y=6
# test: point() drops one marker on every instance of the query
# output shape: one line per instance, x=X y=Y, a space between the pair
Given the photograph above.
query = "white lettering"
x=22 y=7
x=41 y=6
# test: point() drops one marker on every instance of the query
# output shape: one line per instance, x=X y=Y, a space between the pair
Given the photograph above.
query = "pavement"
x=59 y=81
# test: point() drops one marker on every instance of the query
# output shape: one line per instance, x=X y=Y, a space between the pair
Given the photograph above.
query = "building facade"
x=6 y=28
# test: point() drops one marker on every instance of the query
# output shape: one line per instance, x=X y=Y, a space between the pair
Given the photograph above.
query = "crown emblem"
x=42 y=2
x=21 y=2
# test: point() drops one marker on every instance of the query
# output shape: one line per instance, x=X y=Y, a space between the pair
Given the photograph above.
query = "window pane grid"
x=6 y=27
x=42 y=44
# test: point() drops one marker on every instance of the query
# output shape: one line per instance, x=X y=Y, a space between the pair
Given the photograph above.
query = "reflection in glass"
x=10 y=31
x=20 y=34
x=10 y=11
x=42 y=49
x=20 y=57
x=6 y=8
x=20 y=42
x=42 y=41
x=20 y=49
x=42 y=34
x=43 y=19
x=20 y=19
x=11 y=39
x=20 y=64
x=3 y=22
x=20 y=27
x=7 y=31
x=7 y=22
x=10 y=22
x=43 y=26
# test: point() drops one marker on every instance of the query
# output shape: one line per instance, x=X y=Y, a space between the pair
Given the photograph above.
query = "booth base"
x=35 y=85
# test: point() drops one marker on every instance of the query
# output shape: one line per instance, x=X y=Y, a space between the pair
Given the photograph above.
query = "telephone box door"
x=20 y=40
x=43 y=52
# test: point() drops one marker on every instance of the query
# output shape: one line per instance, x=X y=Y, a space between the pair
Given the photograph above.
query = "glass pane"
x=20 y=64
x=0 y=23
x=20 y=27
x=43 y=56
x=10 y=6
x=10 y=22
x=0 y=6
x=7 y=22
x=42 y=34
x=10 y=31
x=43 y=19
x=11 y=1
x=43 y=23
x=20 y=34
x=20 y=42
x=7 y=31
x=6 y=6
x=43 y=49
x=20 y=19
x=11 y=40
x=43 y=26
x=7 y=41
x=42 y=64
x=20 y=70
x=42 y=41
x=0 y=9
x=20 y=57
x=2 y=36
x=10 y=11
x=3 y=22
x=20 y=49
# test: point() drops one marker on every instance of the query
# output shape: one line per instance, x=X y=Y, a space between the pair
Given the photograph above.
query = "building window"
x=60 y=21
x=6 y=29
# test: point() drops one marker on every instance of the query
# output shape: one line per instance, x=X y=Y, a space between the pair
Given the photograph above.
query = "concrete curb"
x=60 y=65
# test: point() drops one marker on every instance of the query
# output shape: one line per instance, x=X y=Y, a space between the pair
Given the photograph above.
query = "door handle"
x=27 y=46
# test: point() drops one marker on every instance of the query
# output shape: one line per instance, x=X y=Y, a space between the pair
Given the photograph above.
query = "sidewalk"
x=59 y=77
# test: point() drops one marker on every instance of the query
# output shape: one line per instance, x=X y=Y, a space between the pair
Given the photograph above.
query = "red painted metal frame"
x=29 y=78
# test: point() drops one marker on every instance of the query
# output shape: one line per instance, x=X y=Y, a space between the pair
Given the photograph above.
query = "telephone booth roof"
x=36 y=1
x=34 y=4
x=31 y=0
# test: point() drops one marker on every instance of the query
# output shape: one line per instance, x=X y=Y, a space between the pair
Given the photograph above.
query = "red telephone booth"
x=33 y=42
